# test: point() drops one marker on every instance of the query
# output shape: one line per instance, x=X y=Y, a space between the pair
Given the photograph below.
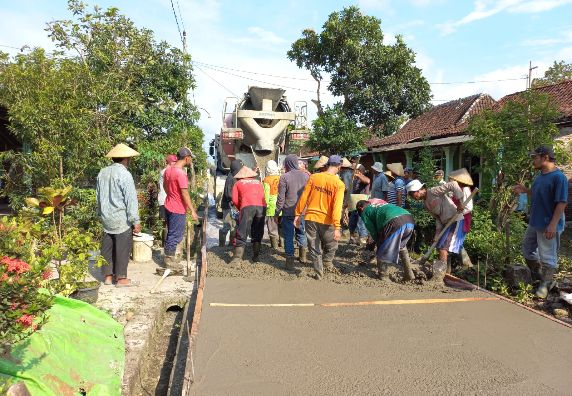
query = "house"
x=443 y=127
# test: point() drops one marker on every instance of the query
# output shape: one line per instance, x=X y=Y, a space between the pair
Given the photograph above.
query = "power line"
x=177 y=21
x=216 y=81
x=181 y=16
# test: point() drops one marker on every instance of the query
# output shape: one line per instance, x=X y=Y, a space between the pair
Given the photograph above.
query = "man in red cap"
x=177 y=204
x=162 y=195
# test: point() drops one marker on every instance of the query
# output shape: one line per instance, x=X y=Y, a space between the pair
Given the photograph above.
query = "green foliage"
x=378 y=82
x=334 y=133
x=524 y=293
x=558 y=72
x=499 y=285
x=108 y=82
x=426 y=166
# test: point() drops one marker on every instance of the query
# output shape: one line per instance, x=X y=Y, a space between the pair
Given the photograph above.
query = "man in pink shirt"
x=177 y=204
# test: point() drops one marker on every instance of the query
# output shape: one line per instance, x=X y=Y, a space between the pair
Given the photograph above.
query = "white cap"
x=415 y=185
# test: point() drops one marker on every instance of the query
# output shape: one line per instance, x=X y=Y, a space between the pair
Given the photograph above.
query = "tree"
x=378 y=82
x=558 y=72
x=334 y=133
x=108 y=82
x=503 y=139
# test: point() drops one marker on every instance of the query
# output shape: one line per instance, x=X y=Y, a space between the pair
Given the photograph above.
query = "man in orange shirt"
x=321 y=204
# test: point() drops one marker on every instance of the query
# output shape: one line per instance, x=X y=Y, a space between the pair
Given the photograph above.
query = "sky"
x=463 y=47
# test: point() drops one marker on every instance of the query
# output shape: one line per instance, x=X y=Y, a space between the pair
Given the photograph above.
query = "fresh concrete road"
x=485 y=347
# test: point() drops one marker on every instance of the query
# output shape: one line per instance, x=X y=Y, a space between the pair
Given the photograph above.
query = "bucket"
x=143 y=247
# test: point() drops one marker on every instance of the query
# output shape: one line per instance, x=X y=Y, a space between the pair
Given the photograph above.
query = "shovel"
x=425 y=257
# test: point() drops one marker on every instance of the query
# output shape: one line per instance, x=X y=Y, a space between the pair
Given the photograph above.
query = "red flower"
x=15 y=266
x=47 y=274
x=26 y=320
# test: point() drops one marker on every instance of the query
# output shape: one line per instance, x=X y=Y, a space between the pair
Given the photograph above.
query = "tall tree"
x=558 y=72
x=108 y=81
x=378 y=82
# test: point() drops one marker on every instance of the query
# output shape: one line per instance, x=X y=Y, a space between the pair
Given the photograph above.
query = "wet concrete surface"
x=485 y=347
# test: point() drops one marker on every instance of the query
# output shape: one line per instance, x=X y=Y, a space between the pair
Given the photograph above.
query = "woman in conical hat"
x=462 y=176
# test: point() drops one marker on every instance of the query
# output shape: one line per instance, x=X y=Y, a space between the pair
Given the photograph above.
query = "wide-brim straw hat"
x=378 y=167
x=322 y=161
x=245 y=172
x=396 y=168
x=346 y=163
x=462 y=176
x=122 y=151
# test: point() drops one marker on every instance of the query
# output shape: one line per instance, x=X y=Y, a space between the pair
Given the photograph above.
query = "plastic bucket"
x=143 y=247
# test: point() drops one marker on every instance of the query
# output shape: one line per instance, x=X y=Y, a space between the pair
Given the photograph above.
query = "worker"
x=290 y=189
x=380 y=185
x=397 y=194
x=177 y=204
x=118 y=209
x=407 y=175
x=439 y=176
x=248 y=198
x=360 y=185
x=162 y=195
x=270 y=184
x=441 y=206
x=548 y=199
x=321 y=203
x=463 y=178
x=228 y=218
x=390 y=227
x=346 y=174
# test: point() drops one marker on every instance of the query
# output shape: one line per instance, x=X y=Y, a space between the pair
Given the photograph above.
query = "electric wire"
x=177 y=21
x=216 y=81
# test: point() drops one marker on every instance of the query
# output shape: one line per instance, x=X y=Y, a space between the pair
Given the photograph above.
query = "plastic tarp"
x=80 y=349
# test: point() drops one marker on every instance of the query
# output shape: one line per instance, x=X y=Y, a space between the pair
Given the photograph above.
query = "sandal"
x=130 y=284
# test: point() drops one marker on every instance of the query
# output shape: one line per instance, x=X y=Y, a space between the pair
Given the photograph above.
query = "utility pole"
x=530 y=69
x=185 y=61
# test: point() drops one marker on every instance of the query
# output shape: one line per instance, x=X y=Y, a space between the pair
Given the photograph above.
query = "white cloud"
x=486 y=8
x=260 y=36
x=565 y=38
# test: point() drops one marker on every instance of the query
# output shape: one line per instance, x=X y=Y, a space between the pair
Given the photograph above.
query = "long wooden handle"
x=451 y=221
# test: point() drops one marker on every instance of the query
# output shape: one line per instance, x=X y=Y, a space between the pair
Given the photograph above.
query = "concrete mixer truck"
x=256 y=129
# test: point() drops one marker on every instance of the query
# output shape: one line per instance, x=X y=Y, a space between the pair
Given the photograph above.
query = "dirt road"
x=490 y=347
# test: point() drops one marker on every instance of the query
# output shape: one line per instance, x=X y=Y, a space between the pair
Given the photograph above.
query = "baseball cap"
x=335 y=160
x=543 y=150
x=185 y=152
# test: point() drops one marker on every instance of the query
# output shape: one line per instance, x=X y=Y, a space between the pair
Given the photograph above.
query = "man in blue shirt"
x=380 y=185
x=548 y=199
x=118 y=209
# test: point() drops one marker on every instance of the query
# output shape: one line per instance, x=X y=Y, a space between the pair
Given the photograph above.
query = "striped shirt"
x=397 y=185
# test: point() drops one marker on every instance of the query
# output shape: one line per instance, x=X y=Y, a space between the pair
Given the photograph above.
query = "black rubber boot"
x=535 y=269
x=255 y=252
x=221 y=238
x=303 y=255
x=237 y=256
x=406 y=262
x=290 y=263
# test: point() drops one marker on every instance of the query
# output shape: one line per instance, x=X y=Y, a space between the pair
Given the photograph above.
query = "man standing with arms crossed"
x=549 y=197
x=321 y=204
x=177 y=205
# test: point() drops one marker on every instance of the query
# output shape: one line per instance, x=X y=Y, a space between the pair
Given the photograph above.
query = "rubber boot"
x=303 y=257
x=465 y=259
x=232 y=238
x=255 y=251
x=406 y=262
x=535 y=269
x=547 y=282
x=237 y=256
x=274 y=242
x=174 y=264
x=381 y=269
x=221 y=238
x=290 y=263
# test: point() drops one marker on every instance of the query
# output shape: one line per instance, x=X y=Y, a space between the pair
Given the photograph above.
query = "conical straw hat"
x=396 y=168
x=321 y=162
x=462 y=176
x=245 y=172
x=388 y=174
x=346 y=163
x=122 y=151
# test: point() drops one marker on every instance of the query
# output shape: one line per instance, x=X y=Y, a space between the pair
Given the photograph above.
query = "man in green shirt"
x=390 y=227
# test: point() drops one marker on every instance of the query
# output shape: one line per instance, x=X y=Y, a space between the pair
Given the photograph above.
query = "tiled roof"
x=561 y=94
x=446 y=119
